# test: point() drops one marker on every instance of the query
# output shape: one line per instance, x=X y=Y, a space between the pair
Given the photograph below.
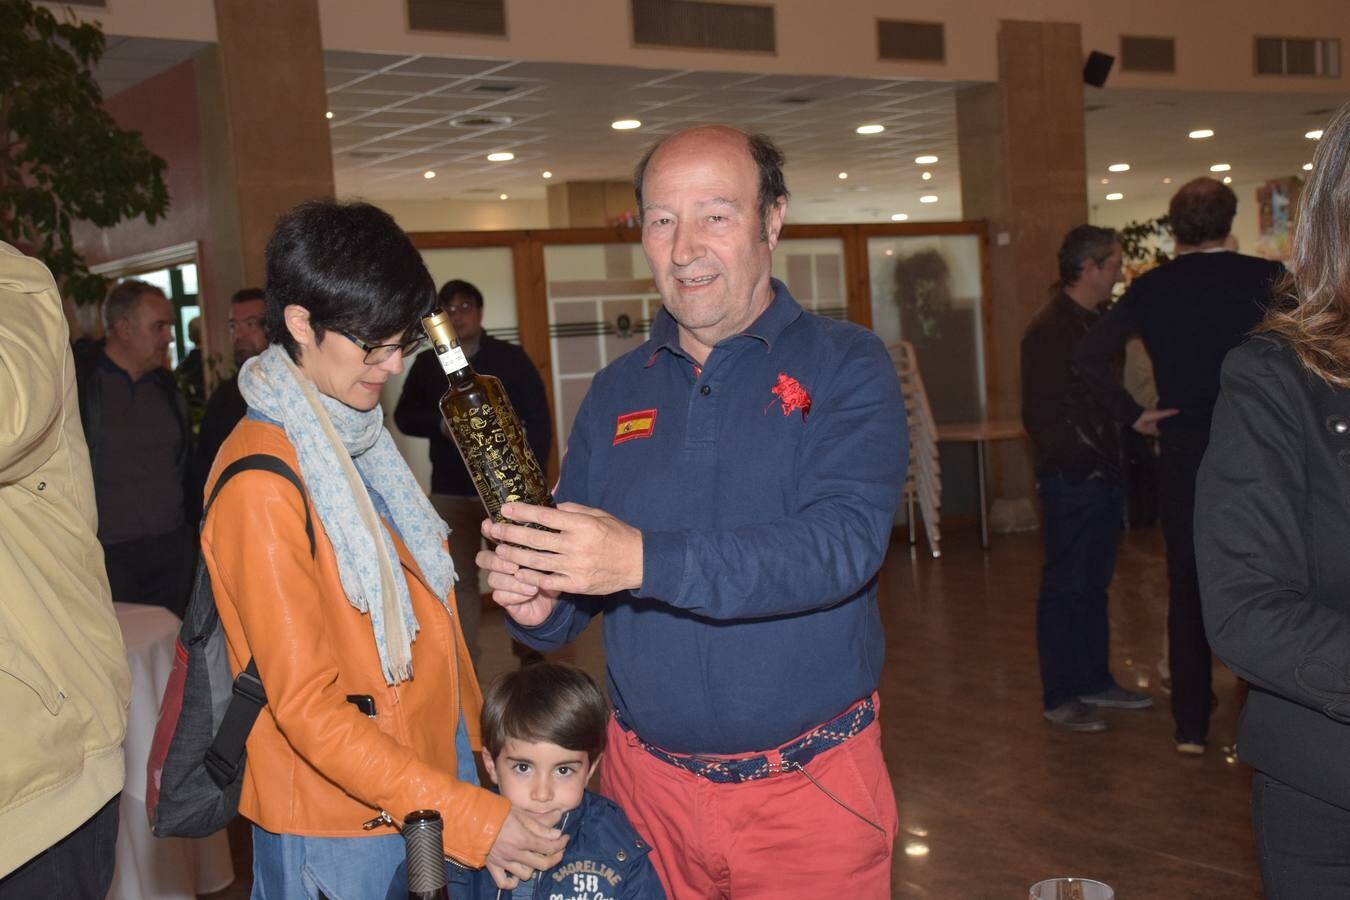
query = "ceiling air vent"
x=911 y=41
x=1147 y=54
x=1298 y=56
x=480 y=121
x=460 y=16
x=708 y=26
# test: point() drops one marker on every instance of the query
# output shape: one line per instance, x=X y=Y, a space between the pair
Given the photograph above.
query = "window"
x=1298 y=56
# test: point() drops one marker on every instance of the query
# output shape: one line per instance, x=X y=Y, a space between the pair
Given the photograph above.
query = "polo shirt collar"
x=783 y=310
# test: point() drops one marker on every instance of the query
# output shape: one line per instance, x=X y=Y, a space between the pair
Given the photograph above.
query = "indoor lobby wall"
x=1214 y=50
x=163 y=109
x=464 y=215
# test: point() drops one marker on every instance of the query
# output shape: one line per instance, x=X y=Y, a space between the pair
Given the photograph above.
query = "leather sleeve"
x=259 y=556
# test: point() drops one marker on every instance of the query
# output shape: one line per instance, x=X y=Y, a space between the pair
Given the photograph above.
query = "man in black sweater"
x=418 y=414
x=1078 y=464
x=1190 y=312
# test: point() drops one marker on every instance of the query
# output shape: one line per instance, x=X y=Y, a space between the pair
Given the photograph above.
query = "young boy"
x=543 y=735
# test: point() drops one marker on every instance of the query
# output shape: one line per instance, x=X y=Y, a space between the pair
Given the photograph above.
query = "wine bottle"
x=485 y=428
x=425 y=855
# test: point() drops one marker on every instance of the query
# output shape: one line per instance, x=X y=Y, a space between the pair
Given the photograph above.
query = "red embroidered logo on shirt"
x=634 y=425
x=791 y=395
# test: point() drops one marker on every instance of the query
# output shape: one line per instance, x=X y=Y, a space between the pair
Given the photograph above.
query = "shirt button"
x=706 y=390
x=621 y=856
x=42 y=485
x=1337 y=425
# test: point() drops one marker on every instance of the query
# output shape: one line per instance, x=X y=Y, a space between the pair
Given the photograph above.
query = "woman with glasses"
x=372 y=704
x=1272 y=540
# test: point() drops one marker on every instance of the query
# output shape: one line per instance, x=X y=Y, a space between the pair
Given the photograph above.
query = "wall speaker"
x=1097 y=67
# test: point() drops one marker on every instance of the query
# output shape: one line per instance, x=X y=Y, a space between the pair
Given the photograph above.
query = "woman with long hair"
x=372 y=705
x=1272 y=535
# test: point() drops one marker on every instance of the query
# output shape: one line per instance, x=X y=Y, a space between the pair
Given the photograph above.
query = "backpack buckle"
x=250 y=687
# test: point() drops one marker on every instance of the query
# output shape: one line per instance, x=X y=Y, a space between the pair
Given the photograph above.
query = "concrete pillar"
x=261 y=100
x=1024 y=169
x=586 y=204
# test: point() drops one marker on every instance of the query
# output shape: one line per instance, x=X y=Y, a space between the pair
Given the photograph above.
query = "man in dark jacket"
x=1190 y=312
x=136 y=423
x=226 y=405
x=418 y=414
x=1078 y=466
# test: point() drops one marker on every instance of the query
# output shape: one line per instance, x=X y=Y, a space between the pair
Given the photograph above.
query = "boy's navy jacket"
x=604 y=859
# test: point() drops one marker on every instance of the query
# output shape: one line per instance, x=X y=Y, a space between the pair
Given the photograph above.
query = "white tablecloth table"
x=151 y=868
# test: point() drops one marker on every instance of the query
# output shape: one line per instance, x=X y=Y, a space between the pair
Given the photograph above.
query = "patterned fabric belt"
x=724 y=770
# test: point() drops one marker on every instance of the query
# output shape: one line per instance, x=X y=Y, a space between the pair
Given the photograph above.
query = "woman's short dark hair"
x=458 y=288
x=1202 y=210
x=768 y=160
x=351 y=267
x=545 y=702
x=1081 y=244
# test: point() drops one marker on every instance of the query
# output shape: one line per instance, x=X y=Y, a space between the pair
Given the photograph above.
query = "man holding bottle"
x=452 y=490
x=727 y=498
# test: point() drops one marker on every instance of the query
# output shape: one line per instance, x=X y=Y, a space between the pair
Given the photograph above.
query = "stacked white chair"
x=923 y=480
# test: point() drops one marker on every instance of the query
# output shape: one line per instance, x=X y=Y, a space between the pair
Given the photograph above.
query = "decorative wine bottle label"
x=485 y=429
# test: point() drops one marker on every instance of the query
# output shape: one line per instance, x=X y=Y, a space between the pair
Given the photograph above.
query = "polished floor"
x=992 y=798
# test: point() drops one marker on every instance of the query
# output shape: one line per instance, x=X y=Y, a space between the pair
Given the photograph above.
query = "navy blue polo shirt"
x=765 y=485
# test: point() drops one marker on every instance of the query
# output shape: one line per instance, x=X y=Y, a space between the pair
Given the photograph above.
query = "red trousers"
x=779 y=837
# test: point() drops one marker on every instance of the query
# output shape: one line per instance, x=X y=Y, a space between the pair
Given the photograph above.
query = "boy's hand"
x=523 y=847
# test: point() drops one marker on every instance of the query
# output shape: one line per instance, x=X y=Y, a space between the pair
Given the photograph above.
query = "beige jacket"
x=64 y=684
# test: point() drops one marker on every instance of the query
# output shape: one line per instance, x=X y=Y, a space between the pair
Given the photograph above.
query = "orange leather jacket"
x=317 y=765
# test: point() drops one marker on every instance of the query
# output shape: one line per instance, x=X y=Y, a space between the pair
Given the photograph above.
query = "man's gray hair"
x=123 y=300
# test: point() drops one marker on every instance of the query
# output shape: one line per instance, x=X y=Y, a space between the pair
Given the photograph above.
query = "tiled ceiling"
x=397 y=117
x=1260 y=136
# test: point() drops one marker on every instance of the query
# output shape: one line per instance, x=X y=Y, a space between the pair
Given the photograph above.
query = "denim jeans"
x=77 y=867
x=297 y=867
x=1302 y=843
x=1073 y=635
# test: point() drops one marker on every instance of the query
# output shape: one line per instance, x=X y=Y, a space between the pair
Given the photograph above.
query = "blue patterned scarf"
x=338 y=447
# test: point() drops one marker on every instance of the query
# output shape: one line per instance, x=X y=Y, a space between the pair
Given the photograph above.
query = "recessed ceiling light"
x=503 y=156
x=1220 y=167
x=870 y=129
x=1115 y=196
x=927 y=176
x=1118 y=167
x=1201 y=133
x=428 y=174
x=548 y=174
x=899 y=217
x=625 y=124
x=1314 y=135
x=1228 y=179
x=1307 y=167
x=1167 y=181
x=928 y=198
x=1106 y=181
x=925 y=160
x=890 y=252
x=843 y=175
x=504 y=196
x=328 y=115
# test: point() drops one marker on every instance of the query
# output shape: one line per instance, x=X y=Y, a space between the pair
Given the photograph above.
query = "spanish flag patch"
x=634 y=425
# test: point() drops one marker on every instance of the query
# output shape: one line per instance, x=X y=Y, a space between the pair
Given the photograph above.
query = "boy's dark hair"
x=246 y=294
x=351 y=267
x=545 y=702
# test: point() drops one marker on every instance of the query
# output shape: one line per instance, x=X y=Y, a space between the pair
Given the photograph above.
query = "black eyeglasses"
x=378 y=353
